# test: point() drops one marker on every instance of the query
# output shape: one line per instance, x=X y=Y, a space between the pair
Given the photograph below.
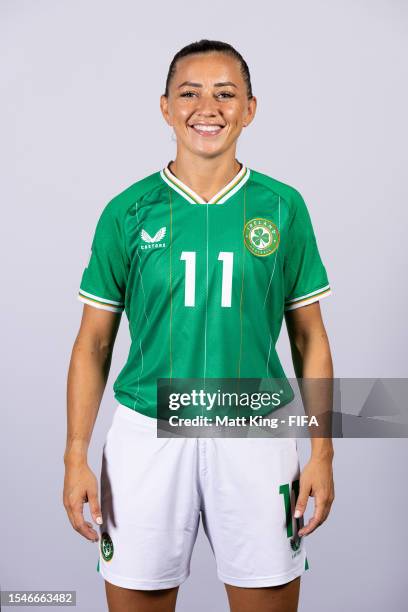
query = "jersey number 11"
x=190 y=269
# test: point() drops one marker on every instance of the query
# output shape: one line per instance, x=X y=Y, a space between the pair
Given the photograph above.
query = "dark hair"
x=208 y=46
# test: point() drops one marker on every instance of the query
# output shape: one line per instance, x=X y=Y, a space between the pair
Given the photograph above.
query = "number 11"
x=227 y=265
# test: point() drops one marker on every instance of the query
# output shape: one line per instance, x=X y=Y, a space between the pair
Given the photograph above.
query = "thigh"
x=249 y=490
x=150 y=506
x=120 y=599
x=282 y=598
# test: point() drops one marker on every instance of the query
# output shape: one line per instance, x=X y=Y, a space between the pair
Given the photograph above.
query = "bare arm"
x=88 y=372
x=310 y=354
x=312 y=359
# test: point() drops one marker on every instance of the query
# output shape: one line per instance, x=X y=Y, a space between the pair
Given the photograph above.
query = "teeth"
x=207 y=128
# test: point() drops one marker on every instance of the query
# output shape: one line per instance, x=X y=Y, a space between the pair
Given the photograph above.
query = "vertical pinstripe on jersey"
x=276 y=253
x=171 y=287
x=140 y=373
x=140 y=268
x=242 y=290
x=145 y=312
x=269 y=284
x=206 y=294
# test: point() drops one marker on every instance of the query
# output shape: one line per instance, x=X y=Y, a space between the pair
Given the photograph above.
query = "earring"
x=173 y=136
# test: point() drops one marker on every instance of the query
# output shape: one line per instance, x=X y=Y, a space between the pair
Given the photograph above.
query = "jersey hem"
x=308 y=298
x=265 y=412
x=129 y=403
x=98 y=302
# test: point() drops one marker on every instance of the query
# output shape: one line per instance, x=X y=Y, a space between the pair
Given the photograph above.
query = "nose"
x=207 y=106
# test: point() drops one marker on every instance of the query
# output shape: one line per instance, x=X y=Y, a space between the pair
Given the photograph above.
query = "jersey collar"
x=219 y=198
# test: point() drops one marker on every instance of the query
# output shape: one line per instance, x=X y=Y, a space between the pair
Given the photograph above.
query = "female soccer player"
x=206 y=257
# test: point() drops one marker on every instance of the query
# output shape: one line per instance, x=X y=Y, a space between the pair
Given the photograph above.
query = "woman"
x=206 y=257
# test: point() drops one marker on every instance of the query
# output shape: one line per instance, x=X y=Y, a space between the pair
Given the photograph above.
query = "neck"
x=205 y=176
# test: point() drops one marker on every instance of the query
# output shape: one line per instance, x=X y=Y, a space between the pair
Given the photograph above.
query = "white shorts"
x=153 y=491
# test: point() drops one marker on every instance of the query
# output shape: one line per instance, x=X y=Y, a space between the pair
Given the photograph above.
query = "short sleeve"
x=305 y=276
x=104 y=280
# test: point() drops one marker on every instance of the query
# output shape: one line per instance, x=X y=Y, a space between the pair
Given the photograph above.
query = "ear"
x=250 y=111
x=164 y=107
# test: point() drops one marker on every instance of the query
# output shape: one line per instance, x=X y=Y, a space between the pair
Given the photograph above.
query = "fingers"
x=94 y=507
x=74 y=508
x=321 y=512
x=314 y=522
x=81 y=486
x=301 y=502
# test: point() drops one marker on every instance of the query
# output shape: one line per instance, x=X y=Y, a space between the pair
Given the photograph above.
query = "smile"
x=207 y=129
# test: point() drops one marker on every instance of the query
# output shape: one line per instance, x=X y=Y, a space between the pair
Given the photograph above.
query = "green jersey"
x=204 y=284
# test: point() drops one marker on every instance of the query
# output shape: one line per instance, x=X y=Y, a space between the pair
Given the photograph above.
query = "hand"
x=81 y=486
x=316 y=480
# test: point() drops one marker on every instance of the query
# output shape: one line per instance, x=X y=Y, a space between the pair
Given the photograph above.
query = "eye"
x=187 y=94
x=225 y=94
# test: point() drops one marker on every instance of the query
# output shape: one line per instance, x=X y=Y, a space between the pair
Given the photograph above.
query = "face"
x=207 y=105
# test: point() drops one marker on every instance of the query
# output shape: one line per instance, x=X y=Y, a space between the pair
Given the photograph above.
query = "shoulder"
x=288 y=194
x=123 y=203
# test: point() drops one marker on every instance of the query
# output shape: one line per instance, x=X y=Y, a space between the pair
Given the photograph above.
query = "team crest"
x=153 y=242
x=106 y=546
x=295 y=542
x=261 y=237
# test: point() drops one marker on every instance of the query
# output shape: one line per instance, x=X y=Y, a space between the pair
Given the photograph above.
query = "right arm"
x=88 y=372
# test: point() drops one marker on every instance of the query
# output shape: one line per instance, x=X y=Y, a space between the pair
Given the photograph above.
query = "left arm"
x=312 y=359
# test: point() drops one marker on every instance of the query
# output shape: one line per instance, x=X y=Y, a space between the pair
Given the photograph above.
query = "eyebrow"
x=191 y=84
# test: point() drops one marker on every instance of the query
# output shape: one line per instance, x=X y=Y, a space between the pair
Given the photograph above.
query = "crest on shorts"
x=106 y=546
x=261 y=236
x=295 y=542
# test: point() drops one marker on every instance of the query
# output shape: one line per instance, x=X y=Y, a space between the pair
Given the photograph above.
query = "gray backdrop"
x=80 y=122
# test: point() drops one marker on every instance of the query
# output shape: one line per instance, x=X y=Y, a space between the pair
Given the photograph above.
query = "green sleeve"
x=104 y=280
x=306 y=278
